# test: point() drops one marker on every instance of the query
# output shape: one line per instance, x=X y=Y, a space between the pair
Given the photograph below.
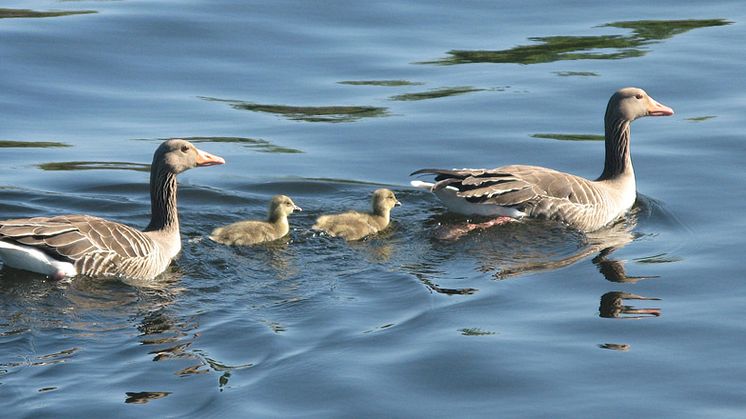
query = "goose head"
x=383 y=201
x=631 y=103
x=178 y=155
x=282 y=206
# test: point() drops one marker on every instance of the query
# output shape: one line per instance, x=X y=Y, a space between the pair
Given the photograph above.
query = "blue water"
x=326 y=102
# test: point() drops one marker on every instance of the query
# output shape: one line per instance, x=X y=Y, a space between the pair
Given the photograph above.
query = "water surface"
x=325 y=103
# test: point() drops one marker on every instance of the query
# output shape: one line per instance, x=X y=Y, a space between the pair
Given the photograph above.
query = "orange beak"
x=657 y=109
x=206 y=159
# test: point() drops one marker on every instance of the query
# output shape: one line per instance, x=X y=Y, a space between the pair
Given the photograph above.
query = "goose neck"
x=618 y=161
x=164 y=215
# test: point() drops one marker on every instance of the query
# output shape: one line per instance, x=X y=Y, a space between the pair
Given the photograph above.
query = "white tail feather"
x=34 y=260
x=422 y=185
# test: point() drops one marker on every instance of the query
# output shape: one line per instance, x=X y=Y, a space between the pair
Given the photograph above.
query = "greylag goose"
x=530 y=191
x=357 y=225
x=70 y=245
x=246 y=233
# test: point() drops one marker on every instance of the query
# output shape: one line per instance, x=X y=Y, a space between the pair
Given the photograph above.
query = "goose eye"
x=638 y=96
x=184 y=148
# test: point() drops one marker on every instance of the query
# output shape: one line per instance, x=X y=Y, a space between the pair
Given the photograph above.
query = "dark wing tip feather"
x=424 y=171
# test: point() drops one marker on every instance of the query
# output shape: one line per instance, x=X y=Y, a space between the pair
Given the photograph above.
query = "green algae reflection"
x=381 y=83
x=436 y=93
x=26 y=13
x=576 y=73
x=601 y=47
x=256 y=144
x=308 y=113
x=31 y=144
x=701 y=118
x=94 y=165
x=570 y=137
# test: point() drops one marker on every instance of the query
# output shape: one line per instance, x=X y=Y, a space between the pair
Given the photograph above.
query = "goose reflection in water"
x=612 y=306
x=89 y=306
x=531 y=246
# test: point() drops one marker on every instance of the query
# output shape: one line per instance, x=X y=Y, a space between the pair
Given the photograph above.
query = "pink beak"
x=206 y=159
x=658 y=109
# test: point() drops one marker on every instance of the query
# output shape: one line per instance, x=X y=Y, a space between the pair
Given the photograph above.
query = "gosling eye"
x=638 y=96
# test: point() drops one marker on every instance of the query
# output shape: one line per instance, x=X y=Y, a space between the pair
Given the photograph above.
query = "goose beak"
x=658 y=109
x=206 y=159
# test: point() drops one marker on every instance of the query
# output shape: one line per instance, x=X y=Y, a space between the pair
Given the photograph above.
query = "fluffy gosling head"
x=383 y=201
x=281 y=206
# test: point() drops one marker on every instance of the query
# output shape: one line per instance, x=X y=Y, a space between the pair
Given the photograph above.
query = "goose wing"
x=94 y=245
x=536 y=191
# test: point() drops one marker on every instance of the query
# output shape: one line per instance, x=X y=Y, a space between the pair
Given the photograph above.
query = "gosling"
x=247 y=233
x=356 y=225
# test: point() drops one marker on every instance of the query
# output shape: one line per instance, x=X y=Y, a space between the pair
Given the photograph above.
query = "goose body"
x=71 y=245
x=355 y=225
x=538 y=192
x=246 y=233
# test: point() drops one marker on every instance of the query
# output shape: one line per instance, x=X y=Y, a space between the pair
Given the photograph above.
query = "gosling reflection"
x=613 y=306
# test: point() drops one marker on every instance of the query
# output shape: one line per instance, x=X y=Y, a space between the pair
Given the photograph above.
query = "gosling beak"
x=658 y=109
x=397 y=204
x=206 y=159
x=297 y=208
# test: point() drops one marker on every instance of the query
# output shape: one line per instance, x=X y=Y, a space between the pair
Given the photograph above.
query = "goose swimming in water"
x=246 y=233
x=71 y=245
x=530 y=191
x=357 y=225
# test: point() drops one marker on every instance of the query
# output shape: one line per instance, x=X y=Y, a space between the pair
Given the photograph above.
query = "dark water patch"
x=142 y=397
x=27 y=13
x=332 y=114
x=601 y=47
x=653 y=213
x=307 y=185
x=94 y=165
x=256 y=144
x=621 y=347
x=660 y=258
x=700 y=118
x=383 y=83
x=436 y=93
x=32 y=144
x=47 y=389
x=570 y=137
x=475 y=331
x=43 y=360
x=575 y=73
x=348 y=181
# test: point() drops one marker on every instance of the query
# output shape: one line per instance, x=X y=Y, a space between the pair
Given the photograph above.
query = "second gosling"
x=246 y=233
x=357 y=225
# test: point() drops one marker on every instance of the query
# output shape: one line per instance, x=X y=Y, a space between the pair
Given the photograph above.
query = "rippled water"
x=325 y=103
